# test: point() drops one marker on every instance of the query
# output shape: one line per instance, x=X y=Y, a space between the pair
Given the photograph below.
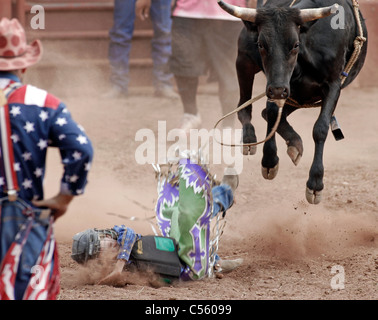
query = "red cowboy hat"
x=15 y=53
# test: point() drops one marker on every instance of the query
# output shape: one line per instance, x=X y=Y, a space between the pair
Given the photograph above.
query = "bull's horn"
x=248 y=14
x=314 y=14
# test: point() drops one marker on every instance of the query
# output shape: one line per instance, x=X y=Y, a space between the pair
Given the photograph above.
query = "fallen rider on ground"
x=189 y=200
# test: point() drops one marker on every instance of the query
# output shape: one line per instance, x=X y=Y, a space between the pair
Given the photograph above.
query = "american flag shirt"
x=40 y=120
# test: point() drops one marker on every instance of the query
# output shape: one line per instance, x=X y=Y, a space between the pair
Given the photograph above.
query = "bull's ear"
x=250 y=26
x=318 y=13
x=303 y=28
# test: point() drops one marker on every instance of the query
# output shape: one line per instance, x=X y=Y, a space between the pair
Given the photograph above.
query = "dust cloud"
x=296 y=231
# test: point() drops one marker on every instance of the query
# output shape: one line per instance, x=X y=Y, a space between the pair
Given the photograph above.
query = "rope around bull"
x=358 y=44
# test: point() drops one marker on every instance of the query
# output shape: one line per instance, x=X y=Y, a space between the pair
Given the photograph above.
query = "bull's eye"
x=295 y=48
x=259 y=44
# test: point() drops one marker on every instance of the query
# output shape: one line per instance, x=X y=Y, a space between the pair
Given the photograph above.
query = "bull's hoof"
x=313 y=197
x=269 y=173
x=249 y=150
x=294 y=154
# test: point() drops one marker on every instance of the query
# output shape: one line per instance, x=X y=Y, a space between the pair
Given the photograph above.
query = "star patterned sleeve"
x=75 y=149
x=126 y=240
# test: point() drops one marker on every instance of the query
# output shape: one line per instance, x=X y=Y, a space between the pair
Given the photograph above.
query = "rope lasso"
x=244 y=105
x=358 y=43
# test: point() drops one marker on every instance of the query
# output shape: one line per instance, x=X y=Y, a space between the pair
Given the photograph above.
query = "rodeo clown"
x=189 y=199
x=31 y=120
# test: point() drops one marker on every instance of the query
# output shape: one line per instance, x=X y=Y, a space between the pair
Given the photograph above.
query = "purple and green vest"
x=183 y=212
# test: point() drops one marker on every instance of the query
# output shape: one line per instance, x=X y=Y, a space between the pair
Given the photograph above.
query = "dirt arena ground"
x=290 y=248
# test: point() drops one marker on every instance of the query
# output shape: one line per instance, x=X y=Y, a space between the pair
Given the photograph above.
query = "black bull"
x=302 y=54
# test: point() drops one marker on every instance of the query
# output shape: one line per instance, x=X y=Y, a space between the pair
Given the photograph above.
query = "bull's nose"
x=277 y=92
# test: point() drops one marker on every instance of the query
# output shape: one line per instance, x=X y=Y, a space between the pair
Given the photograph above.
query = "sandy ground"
x=290 y=248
